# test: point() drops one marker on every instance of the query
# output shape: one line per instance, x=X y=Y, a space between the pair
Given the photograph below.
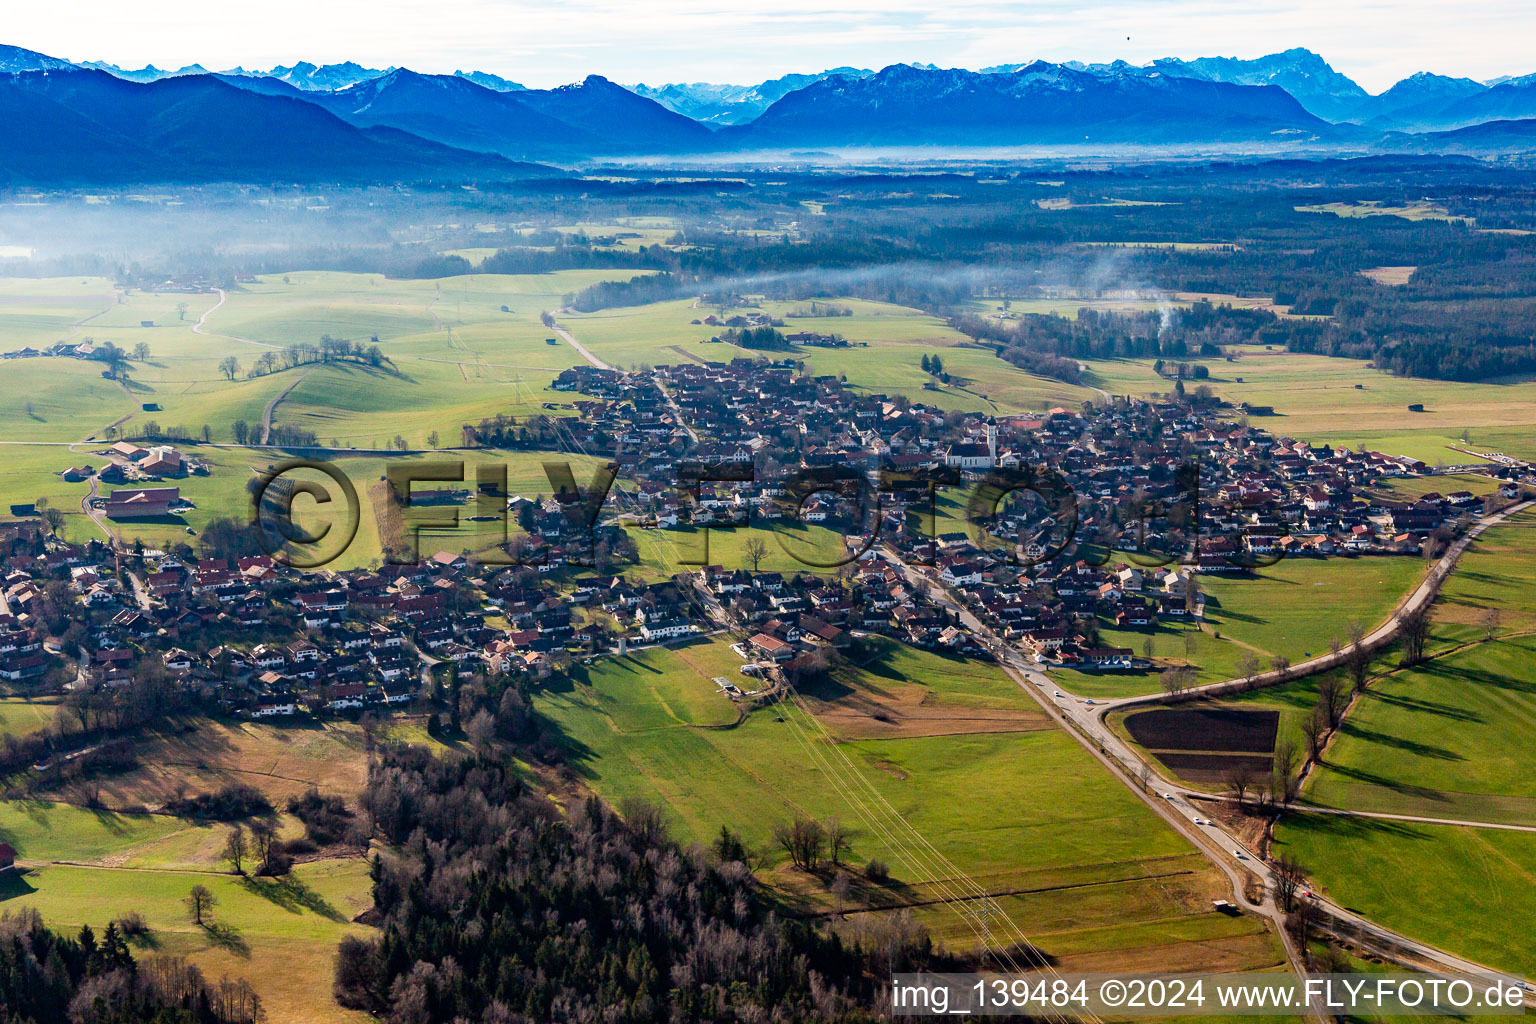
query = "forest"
x=500 y=909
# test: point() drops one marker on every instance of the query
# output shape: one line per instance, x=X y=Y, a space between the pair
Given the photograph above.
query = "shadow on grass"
x=227 y=937
x=13 y=884
x=291 y=894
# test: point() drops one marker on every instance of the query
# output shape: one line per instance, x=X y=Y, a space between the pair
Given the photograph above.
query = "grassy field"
x=1452 y=737
x=1465 y=890
x=1449 y=739
x=1293 y=608
x=946 y=743
x=22 y=716
x=199 y=755
x=457 y=354
x=87 y=866
x=278 y=934
x=1315 y=399
x=1422 y=210
x=1496 y=572
x=31 y=472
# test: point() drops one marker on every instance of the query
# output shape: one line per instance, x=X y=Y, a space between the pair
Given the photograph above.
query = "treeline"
x=637 y=291
x=500 y=910
x=329 y=350
x=540 y=433
x=46 y=978
x=769 y=339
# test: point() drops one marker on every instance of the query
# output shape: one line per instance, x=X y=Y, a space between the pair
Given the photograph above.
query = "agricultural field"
x=1423 y=210
x=1412 y=488
x=201 y=755
x=31 y=472
x=1315 y=398
x=23 y=716
x=1391 y=276
x=1496 y=572
x=791 y=547
x=278 y=934
x=1451 y=738
x=1293 y=608
x=456 y=354
x=90 y=865
x=942 y=742
x=1465 y=890
x=1201 y=743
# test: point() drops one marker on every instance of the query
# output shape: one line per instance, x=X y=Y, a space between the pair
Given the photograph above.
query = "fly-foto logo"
x=1036 y=506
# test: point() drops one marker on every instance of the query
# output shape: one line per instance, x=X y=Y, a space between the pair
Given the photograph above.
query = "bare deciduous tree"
x=839 y=841
x=1239 y=779
x=1289 y=876
x=1283 y=778
x=1315 y=726
x=200 y=902
x=1415 y=634
x=803 y=840
x=1248 y=668
x=755 y=551
x=1333 y=695
x=235 y=849
x=1490 y=622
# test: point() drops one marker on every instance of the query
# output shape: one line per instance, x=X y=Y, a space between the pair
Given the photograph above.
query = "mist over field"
x=706 y=551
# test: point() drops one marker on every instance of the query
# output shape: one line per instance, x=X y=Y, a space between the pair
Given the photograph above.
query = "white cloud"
x=547 y=43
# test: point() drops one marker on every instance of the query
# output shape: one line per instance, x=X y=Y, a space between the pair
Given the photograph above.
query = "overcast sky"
x=550 y=42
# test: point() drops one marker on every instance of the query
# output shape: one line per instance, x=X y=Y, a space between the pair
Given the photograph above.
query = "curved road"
x=266 y=414
x=1086 y=721
x=197 y=328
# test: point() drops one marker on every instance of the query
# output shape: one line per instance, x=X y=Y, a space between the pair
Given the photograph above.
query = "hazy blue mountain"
x=458 y=112
x=16 y=58
x=1488 y=138
x=1514 y=100
x=733 y=104
x=322 y=78
x=88 y=126
x=625 y=122
x=490 y=81
x=1302 y=73
x=148 y=73
x=1408 y=102
x=1039 y=104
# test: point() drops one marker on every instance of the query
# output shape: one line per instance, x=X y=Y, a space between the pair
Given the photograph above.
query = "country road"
x=198 y=328
x=1177 y=805
x=570 y=339
x=1421 y=596
x=1035 y=683
x=266 y=414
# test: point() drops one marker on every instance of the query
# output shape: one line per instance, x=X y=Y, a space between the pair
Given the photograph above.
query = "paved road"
x=570 y=340
x=1086 y=721
x=266 y=414
x=1229 y=861
x=676 y=409
x=198 y=328
x=1422 y=595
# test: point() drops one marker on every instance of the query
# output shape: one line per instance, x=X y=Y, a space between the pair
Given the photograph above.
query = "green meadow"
x=1465 y=890
x=1451 y=738
x=1022 y=811
x=1293 y=608
x=278 y=934
x=1315 y=398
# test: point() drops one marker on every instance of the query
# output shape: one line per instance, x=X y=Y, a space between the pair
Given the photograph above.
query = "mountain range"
x=87 y=127
x=98 y=123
